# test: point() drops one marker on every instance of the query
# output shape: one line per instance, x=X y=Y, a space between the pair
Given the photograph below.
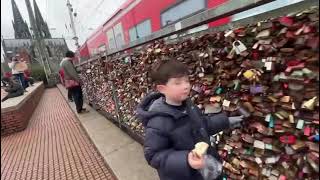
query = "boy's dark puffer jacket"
x=170 y=136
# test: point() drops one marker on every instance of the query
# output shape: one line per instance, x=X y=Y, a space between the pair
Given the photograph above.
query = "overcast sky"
x=90 y=14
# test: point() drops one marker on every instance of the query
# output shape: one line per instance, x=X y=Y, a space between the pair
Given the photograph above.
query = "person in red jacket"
x=61 y=73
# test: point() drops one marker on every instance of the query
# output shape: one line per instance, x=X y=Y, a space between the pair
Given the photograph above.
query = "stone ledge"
x=16 y=112
x=16 y=103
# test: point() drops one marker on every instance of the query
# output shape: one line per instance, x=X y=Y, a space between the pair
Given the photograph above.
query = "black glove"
x=235 y=121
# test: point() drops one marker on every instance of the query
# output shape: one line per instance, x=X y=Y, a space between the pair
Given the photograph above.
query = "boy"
x=174 y=125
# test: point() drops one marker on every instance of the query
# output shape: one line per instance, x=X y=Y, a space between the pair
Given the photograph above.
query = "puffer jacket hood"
x=154 y=105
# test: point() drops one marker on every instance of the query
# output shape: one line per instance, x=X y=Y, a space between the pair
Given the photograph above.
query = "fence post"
x=116 y=102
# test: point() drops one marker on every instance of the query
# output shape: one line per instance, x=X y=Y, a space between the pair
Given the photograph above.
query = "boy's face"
x=176 y=89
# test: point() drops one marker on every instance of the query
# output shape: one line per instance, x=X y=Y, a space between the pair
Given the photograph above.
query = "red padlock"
x=307 y=131
x=290 y=34
x=286 y=21
x=255 y=55
x=282 y=177
x=288 y=139
x=293 y=63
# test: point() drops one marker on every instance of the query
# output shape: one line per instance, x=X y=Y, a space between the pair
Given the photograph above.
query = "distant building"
x=54 y=47
x=23 y=43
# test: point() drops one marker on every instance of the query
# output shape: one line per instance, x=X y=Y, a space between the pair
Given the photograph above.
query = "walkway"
x=124 y=156
x=54 y=146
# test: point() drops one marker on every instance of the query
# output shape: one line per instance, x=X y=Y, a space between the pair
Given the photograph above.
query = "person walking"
x=61 y=74
x=72 y=81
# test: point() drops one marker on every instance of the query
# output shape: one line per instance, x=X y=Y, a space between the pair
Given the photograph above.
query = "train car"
x=139 y=18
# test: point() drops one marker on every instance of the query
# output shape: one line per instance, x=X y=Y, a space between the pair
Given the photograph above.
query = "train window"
x=111 y=39
x=133 y=34
x=182 y=10
x=140 y=30
x=118 y=33
x=115 y=37
x=102 y=48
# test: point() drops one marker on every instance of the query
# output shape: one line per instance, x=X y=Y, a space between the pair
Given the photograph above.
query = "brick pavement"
x=53 y=146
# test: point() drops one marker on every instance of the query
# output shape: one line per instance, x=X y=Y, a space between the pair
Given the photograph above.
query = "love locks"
x=239 y=47
x=269 y=77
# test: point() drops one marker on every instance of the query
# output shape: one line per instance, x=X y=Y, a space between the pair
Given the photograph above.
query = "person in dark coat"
x=71 y=74
x=14 y=88
x=174 y=125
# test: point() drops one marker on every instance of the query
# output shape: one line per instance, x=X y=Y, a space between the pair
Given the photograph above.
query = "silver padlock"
x=239 y=47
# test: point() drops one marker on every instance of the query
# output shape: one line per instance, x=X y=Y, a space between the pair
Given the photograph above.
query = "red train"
x=138 y=18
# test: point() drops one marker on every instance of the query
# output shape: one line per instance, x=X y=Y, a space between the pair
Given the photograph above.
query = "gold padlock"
x=310 y=103
x=248 y=74
x=291 y=119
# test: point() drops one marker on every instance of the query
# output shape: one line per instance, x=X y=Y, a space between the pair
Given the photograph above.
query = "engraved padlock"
x=239 y=46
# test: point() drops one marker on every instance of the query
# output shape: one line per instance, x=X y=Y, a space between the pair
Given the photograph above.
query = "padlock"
x=248 y=74
x=287 y=84
x=307 y=131
x=309 y=104
x=300 y=124
x=237 y=85
x=256 y=89
x=239 y=47
x=219 y=90
x=215 y=99
x=259 y=144
x=231 y=53
x=226 y=103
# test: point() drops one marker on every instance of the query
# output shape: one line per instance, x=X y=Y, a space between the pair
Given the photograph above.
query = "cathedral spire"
x=41 y=24
x=32 y=19
x=21 y=30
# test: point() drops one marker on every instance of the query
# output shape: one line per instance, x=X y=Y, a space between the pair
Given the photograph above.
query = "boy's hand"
x=195 y=161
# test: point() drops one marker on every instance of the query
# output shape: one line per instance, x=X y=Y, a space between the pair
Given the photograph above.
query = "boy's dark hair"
x=69 y=54
x=163 y=70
